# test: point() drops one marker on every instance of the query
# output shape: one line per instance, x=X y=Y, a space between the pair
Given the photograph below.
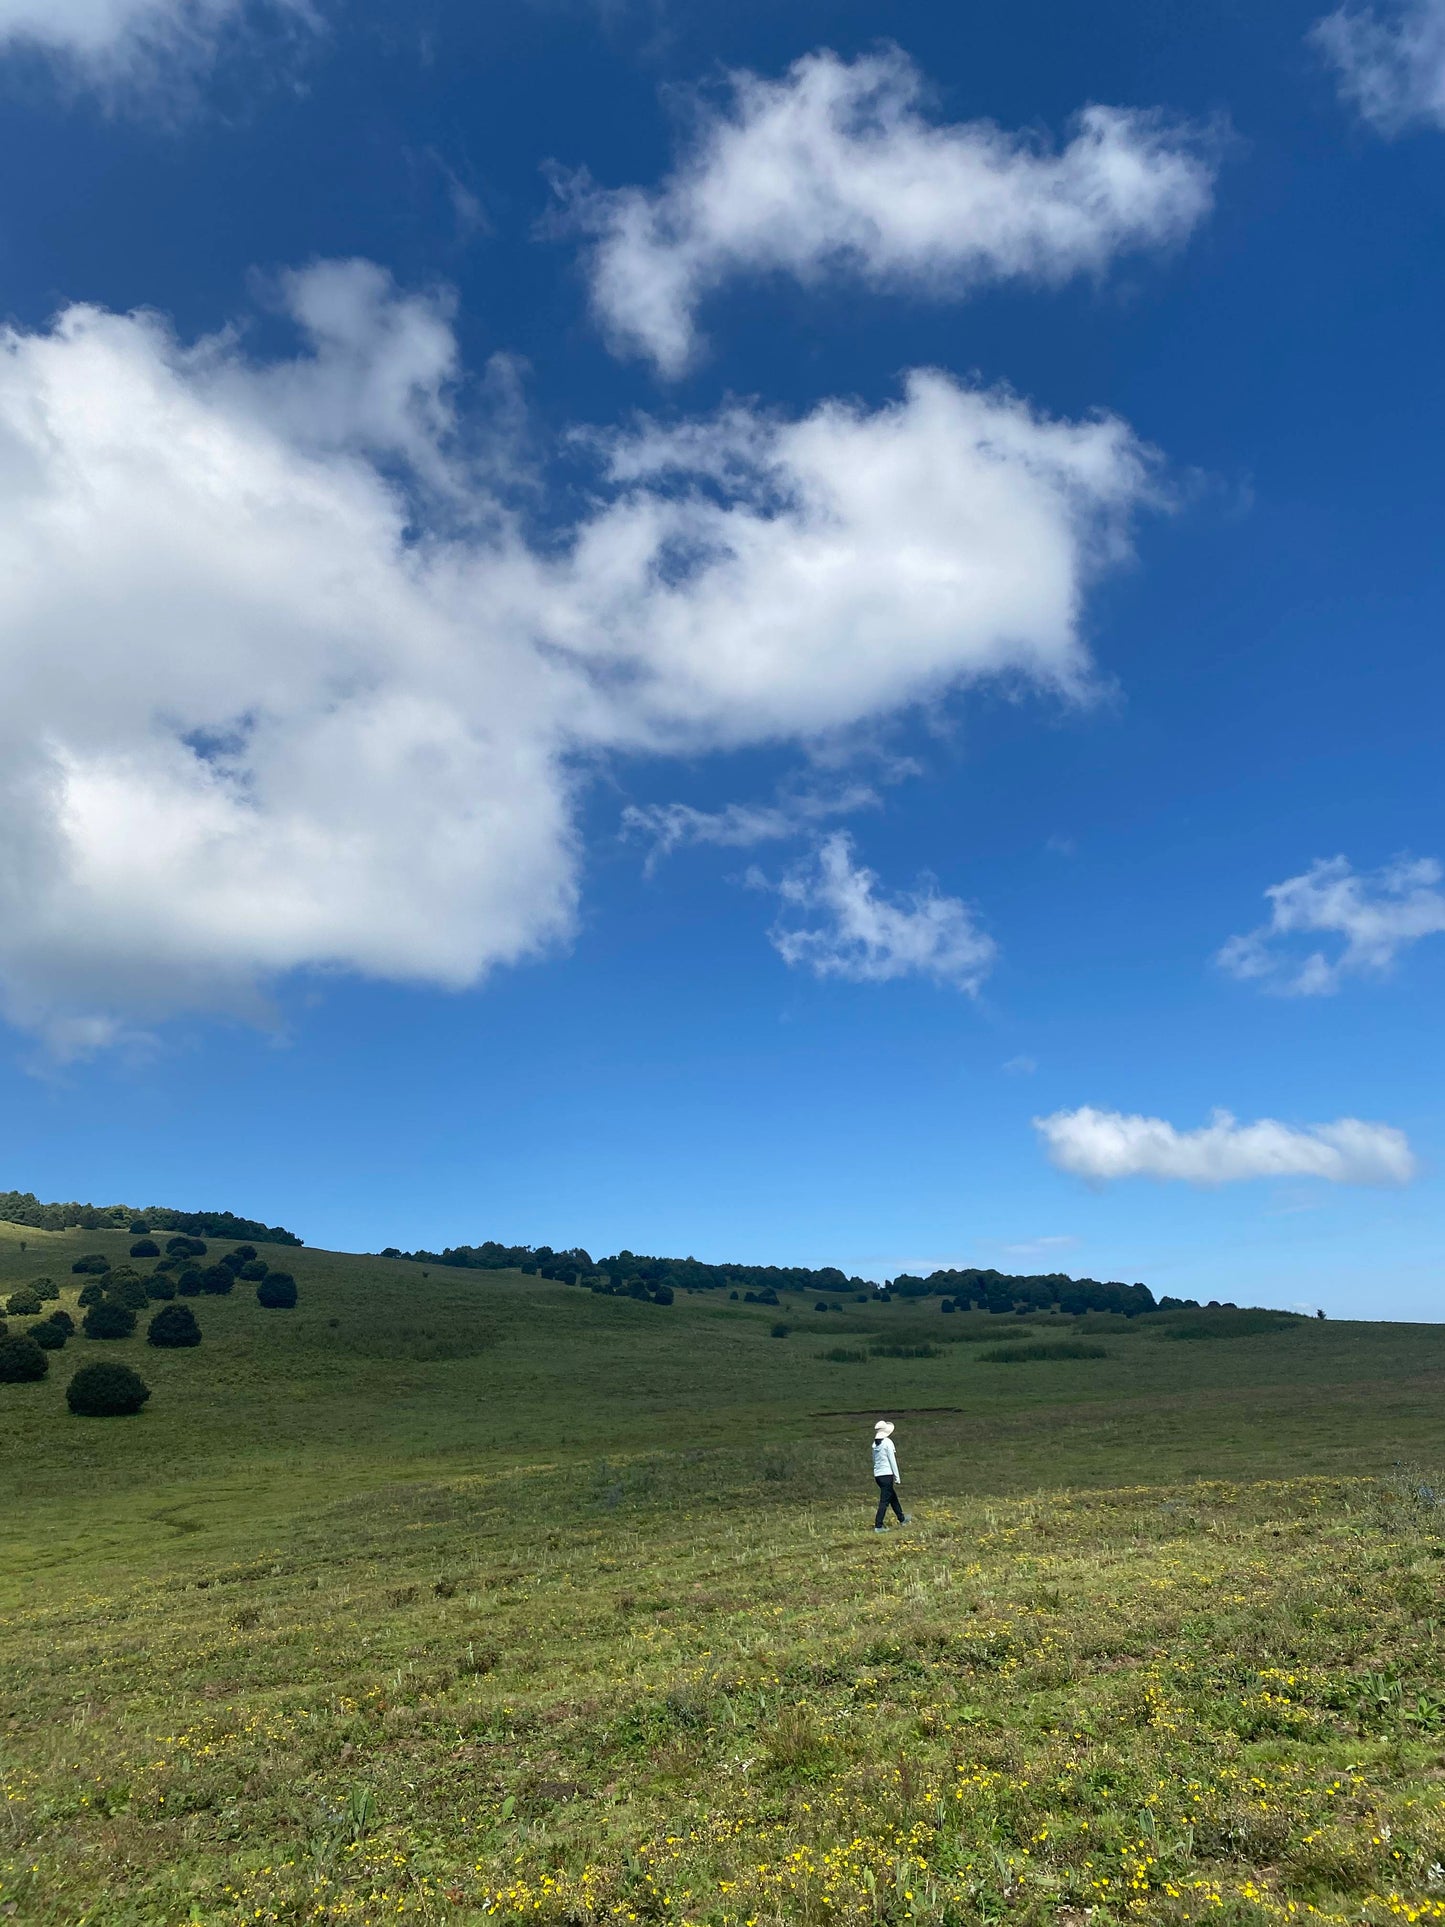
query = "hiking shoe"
x=906 y=1520
x=880 y=1528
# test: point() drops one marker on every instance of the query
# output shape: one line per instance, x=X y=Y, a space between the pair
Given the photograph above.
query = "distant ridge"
x=23 y=1207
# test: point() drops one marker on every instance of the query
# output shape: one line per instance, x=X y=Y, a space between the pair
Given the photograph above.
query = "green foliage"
x=254 y=1270
x=175 y=1325
x=217 y=1280
x=138 y=1227
x=841 y=1355
x=246 y=1253
x=94 y=1262
x=24 y=1208
x=780 y=1330
x=23 y=1302
x=91 y=1295
x=188 y=1281
x=186 y=1247
x=145 y=1248
x=278 y=1292
x=106 y=1391
x=21 y=1360
x=62 y=1318
x=906 y=1351
x=130 y=1292
x=1046 y=1348
x=49 y=1336
x=108 y=1320
x=45 y=1289
x=1227 y=1322
x=160 y=1285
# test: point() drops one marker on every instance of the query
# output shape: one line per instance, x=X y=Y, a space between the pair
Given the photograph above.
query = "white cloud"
x=1101 y=1145
x=1375 y=916
x=286 y=682
x=1040 y=1247
x=740 y=826
x=833 y=169
x=1021 y=1066
x=1391 y=64
x=868 y=938
x=114 y=38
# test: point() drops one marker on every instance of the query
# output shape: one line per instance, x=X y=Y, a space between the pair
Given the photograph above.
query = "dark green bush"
x=106 y=1391
x=183 y=1247
x=232 y=1263
x=45 y=1288
x=91 y=1295
x=662 y=1295
x=1026 y=1354
x=217 y=1280
x=63 y=1319
x=171 y=1264
x=277 y=1292
x=780 y=1330
x=840 y=1355
x=175 y=1325
x=160 y=1285
x=21 y=1360
x=22 y=1302
x=130 y=1292
x=145 y=1248
x=93 y=1261
x=138 y=1227
x=906 y=1351
x=49 y=1337
x=188 y=1282
x=246 y=1253
x=1229 y=1323
x=254 y=1270
x=108 y=1321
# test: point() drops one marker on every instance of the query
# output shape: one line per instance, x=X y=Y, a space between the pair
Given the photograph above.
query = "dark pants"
x=887 y=1497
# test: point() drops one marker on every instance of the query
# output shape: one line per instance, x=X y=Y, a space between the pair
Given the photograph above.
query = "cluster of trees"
x=626 y=1268
x=23 y=1207
x=1000 y=1291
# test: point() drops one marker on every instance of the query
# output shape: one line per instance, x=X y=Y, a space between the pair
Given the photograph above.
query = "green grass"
x=1045 y=1348
x=464 y=1597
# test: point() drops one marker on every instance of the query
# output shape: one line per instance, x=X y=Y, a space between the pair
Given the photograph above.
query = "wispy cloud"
x=110 y=42
x=837 y=923
x=835 y=170
x=1375 y=917
x=1040 y=1247
x=1021 y=1066
x=1389 y=63
x=1102 y=1145
x=740 y=826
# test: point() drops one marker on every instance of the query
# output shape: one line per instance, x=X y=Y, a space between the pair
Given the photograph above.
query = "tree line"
x=23 y=1207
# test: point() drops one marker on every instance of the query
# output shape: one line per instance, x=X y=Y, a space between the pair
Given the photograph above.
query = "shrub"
x=948 y=1305
x=130 y=1292
x=106 y=1391
x=91 y=1295
x=145 y=1248
x=780 y=1330
x=49 y=1337
x=93 y=1261
x=138 y=1227
x=840 y=1355
x=246 y=1253
x=21 y=1360
x=45 y=1288
x=188 y=1282
x=277 y=1292
x=232 y=1263
x=183 y=1247
x=820 y=1306
x=22 y=1302
x=159 y=1285
x=171 y=1264
x=255 y=1269
x=174 y=1325
x=662 y=1295
x=108 y=1321
x=218 y=1280
x=1026 y=1354
x=63 y=1319
x=906 y=1351
x=1227 y=1322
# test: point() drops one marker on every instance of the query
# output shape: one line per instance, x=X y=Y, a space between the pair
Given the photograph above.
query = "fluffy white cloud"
x=1390 y=65
x=112 y=35
x=1375 y=917
x=838 y=924
x=286 y=680
x=1100 y=1145
x=834 y=169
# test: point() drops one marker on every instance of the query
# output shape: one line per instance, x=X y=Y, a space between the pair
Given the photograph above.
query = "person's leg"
x=885 y=1493
x=893 y=1501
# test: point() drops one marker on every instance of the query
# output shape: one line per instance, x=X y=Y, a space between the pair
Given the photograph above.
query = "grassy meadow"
x=456 y=1596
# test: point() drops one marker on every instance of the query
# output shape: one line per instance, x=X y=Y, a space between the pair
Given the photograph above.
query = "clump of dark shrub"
x=145 y=1248
x=158 y=1285
x=106 y=1391
x=780 y=1330
x=45 y=1288
x=21 y=1360
x=1226 y=1321
x=63 y=1319
x=93 y=1261
x=820 y=1306
x=245 y=1253
x=183 y=1247
x=277 y=1292
x=1027 y=1354
x=188 y=1282
x=217 y=1280
x=22 y=1302
x=254 y=1270
x=662 y=1295
x=91 y=1295
x=130 y=1292
x=138 y=1227
x=108 y=1320
x=232 y=1263
x=840 y=1355
x=49 y=1337
x=174 y=1325
x=172 y=1264
x=906 y=1351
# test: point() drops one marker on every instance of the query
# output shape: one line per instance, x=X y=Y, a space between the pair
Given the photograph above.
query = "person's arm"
x=893 y=1461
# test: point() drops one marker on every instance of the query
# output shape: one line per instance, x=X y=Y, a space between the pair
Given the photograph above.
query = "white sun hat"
x=883 y=1429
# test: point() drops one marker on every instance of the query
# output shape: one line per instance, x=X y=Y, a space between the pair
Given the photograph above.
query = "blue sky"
x=704 y=629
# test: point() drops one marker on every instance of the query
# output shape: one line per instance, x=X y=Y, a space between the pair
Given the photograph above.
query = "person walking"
x=885 y=1472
